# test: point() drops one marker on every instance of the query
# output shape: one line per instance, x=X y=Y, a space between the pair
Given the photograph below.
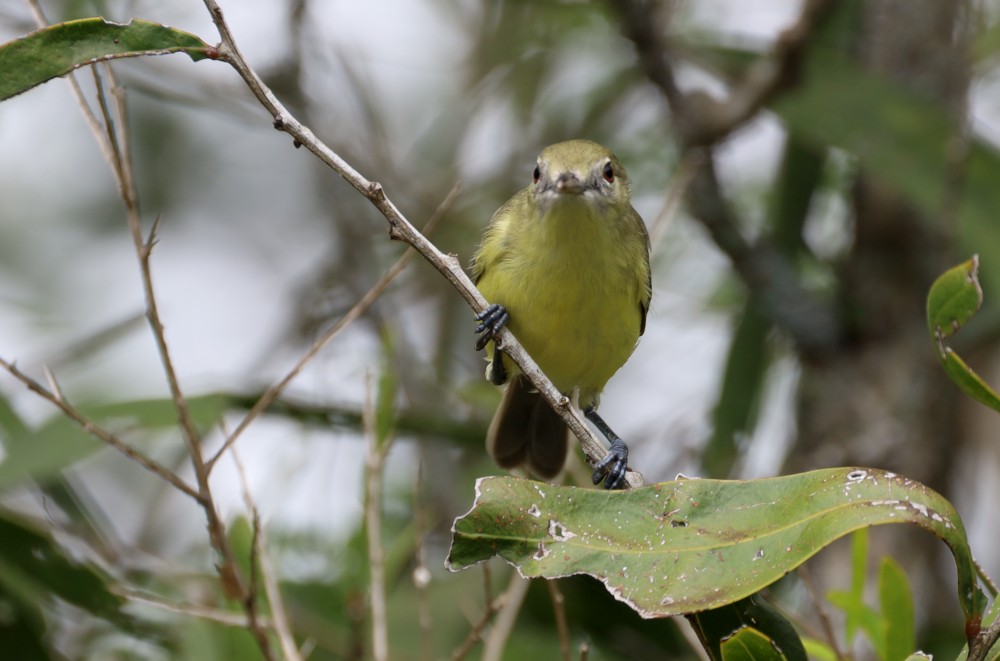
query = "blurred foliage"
x=486 y=86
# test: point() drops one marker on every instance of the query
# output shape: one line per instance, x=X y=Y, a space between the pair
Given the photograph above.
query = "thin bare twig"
x=401 y=229
x=496 y=642
x=584 y=651
x=262 y=560
x=377 y=449
x=487 y=584
x=228 y=618
x=512 y=596
x=113 y=139
x=559 y=610
x=231 y=581
x=359 y=308
x=673 y=197
x=986 y=579
x=821 y=612
x=102 y=434
x=421 y=573
x=88 y=114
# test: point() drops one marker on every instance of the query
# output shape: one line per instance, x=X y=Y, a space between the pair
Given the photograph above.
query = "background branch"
x=702 y=122
x=102 y=434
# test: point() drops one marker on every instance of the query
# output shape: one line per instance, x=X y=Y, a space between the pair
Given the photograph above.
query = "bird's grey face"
x=579 y=172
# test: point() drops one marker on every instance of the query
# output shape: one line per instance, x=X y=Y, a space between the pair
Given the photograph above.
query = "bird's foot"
x=491 y=320
x=612 y=468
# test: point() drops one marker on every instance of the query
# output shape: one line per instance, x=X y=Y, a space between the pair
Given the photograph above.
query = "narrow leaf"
x=897 y=611
x=953 y=299
x=691 y=545
x=58 y=49
x=862 y=618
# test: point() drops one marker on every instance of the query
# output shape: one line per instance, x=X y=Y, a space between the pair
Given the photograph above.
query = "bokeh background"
x=870 y=170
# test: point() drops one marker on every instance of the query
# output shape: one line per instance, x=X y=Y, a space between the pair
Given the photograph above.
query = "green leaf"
x=33 y=568
x=748 y=644
x=857 y=615
x=739 y=398
x=992 y=615
x=953 y=299
x=862 y=617
x=715 y=627
x=896 y=604
x=818 y=650
x=691 y=545
x=240 y=533
x=385 y=399
x=59 y=443
x=59 y=49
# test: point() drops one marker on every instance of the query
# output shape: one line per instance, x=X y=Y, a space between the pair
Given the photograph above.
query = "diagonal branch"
x=700 y=119
x=401 y=229
x=54 y=396
x=359 y=308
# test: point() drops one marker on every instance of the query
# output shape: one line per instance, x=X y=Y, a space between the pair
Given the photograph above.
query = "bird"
x=564 y=265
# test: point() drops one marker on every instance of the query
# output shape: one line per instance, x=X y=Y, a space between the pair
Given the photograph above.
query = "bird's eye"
x=536 y=175
x=609 y=173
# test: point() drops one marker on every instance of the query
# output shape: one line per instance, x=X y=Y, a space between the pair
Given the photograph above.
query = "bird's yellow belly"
x=576 y=313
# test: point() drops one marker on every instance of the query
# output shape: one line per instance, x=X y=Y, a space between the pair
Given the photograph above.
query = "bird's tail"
x=526 y=432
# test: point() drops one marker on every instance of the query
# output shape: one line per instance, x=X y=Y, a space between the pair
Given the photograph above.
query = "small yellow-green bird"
x=565 y=266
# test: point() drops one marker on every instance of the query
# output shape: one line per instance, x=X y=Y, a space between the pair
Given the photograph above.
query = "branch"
x=231 y=581
x=377 y=449
x=401 y=229
x=702 y=122
x=496 y=642
x=359 y=308
x=218 y=615
x=261 y=559
x=114 y=146
x=981 y=645
x=102 y=434
x=700 y=119
x=770 y=277
x=509 y=600
x=559 y=610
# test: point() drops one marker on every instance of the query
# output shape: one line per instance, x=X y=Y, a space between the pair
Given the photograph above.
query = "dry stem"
x=376 y=452
x=559 y=609
x=100 y=433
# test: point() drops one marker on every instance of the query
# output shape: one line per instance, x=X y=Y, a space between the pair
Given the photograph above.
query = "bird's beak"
x=568 y=183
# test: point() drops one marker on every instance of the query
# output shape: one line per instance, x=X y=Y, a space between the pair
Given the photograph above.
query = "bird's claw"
x=491 y=320
x=612 y=468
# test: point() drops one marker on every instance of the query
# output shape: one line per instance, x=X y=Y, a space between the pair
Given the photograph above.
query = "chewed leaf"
x=691 y=545
x=58 y=49
x=953 y=299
